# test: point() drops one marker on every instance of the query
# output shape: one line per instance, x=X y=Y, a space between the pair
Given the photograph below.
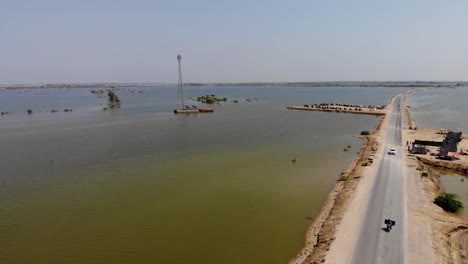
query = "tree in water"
x=114 y=101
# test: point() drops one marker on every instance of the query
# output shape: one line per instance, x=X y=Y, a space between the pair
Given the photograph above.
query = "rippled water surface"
x=142 y=185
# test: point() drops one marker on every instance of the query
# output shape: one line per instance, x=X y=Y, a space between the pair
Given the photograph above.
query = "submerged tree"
x=114 y=101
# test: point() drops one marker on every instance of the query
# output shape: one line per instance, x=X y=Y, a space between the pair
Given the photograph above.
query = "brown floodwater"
x=141 y=185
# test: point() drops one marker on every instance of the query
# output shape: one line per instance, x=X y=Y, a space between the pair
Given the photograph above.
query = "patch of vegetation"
x=29 y=111
x=343 y=178
x=67 y=110
x=211 y=99
x=420 y=169
x=349 y=146
x=114 y=101
x=54 y=110
x=365 y=133
x=365 y=164
x=5 y=113
x=449 y=202
x=345 y=149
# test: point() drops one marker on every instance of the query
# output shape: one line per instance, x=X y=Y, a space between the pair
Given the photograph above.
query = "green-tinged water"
x=225 y=206
x=141 y=185
x=458 y=184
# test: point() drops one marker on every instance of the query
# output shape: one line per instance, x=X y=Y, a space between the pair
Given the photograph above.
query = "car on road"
x=392 y=151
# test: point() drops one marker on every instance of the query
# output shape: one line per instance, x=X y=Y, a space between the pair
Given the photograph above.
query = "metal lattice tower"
x=180 y=91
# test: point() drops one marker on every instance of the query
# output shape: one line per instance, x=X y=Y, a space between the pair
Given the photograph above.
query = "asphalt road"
x=386 y=200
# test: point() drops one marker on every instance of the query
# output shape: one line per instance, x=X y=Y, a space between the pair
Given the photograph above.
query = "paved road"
x=387 y=200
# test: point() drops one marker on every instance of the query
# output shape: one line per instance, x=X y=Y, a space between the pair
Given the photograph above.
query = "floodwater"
x=142 y=185
x=440 y=108
x=456 y=183
x=444 y=108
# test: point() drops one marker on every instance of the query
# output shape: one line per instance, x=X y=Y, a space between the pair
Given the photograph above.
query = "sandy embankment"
x=435 y=236
x=321 y=234
x=340 y=109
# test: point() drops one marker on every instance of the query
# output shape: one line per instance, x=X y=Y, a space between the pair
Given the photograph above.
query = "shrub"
x=29 y=111
x=210 y=100
x=449 y=202
x=343 y=178
x=114 y=101
x=365 y=133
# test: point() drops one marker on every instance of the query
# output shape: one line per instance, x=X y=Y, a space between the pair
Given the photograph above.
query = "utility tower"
x=180 y=91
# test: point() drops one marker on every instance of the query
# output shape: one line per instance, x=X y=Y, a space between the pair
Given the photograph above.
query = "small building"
x=418 y=149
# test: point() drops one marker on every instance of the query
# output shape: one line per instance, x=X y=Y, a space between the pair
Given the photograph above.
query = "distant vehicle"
x=392 y=151
x=389 y=223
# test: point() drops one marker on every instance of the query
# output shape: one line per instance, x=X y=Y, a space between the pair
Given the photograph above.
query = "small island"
x=211 y=99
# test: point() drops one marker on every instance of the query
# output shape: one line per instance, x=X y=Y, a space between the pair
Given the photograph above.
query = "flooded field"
x=142 y=185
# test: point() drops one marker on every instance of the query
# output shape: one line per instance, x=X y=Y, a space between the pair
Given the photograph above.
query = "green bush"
x=114 y=101
x=210 y=100
x=29 y=111
x=365 y=133
x=449 y=202
x=343 y=178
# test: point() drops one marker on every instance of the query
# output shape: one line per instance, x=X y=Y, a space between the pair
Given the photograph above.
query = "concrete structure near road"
x=418 y=149
x=449 y=148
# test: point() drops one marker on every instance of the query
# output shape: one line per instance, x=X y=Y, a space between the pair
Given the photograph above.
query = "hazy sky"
x=232 y=41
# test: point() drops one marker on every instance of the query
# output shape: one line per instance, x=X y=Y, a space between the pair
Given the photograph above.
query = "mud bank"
x=455 y=167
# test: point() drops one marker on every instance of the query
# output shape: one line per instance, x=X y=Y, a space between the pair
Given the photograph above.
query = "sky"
x=86 y=41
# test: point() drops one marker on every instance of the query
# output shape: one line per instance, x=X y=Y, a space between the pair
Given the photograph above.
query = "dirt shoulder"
x=434 y=236
x=322 y=232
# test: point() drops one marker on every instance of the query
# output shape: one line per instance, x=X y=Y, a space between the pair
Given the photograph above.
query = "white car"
x=392 y=151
